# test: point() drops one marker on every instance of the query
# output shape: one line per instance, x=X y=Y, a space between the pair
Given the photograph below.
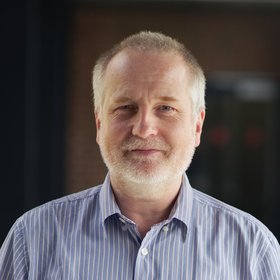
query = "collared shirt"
x=84 y=236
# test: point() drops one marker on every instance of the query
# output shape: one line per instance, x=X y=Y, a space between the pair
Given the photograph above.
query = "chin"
x=147 y=172
x=145 y=179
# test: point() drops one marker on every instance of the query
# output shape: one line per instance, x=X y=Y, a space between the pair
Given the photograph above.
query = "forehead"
x=131 y=68
x=132 y=61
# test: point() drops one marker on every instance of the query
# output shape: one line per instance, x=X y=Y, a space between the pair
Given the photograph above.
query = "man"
x=145 y=221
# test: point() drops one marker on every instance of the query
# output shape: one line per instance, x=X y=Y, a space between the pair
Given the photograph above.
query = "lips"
x=136 y=144
x=148 y=151
x=145 y=154
x=145 y=148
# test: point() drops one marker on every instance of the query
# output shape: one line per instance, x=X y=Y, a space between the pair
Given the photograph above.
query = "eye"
x=127 y=108
x=166 y=108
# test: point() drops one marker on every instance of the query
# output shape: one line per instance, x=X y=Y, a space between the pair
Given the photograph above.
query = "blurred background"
x=47 y=119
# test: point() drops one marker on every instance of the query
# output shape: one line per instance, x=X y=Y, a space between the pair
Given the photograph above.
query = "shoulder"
x=65 y=209
x=224 y=216
x=237 y=234
x=208 y=204
x=38 y=232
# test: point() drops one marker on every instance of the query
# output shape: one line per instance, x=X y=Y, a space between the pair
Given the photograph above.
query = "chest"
x=167 y=252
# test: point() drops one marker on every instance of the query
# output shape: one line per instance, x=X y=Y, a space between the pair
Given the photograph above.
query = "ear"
x=98 y=125
x=199 y=124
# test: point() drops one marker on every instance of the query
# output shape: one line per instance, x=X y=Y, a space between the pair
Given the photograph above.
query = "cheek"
x=183 y=136
x=173 y=135
x=116 y=131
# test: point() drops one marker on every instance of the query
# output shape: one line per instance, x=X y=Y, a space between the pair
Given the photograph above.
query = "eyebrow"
x=165 y=98
x=168 y=98
x=122 y=99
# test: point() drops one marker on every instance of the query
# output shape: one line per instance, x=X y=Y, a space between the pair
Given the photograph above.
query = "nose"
x=144 y=124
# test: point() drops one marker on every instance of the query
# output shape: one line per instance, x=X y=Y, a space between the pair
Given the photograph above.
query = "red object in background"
x=254 y=137
x=219 y=135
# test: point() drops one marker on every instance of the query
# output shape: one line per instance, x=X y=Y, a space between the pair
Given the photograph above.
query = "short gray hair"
x=151 y=41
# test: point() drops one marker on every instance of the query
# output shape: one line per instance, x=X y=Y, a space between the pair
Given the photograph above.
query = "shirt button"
x=144 y=251
x=165 y=228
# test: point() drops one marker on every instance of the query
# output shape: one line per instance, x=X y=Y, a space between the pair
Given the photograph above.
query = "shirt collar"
x=181 y=211
x=108 y=204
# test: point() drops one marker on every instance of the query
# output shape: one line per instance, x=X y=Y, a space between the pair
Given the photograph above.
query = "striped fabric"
x=84 y=236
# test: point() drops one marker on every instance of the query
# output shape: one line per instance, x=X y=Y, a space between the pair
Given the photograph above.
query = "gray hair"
x=151 y=41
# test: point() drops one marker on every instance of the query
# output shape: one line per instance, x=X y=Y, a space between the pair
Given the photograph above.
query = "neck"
x=146 y=205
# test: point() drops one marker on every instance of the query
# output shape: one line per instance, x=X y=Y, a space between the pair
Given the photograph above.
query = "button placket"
x=145 y=254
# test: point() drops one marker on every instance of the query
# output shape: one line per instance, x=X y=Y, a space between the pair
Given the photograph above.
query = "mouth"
x=145 y=149
x=145 y=152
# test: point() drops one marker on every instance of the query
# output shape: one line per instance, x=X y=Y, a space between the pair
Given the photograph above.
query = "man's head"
x=144 y=96
x=147 y=41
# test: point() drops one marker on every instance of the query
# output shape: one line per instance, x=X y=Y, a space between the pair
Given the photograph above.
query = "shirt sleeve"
x=13 y=255
x=269 y=260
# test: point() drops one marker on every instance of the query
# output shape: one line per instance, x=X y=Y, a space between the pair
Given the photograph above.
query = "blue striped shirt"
x=85 y=236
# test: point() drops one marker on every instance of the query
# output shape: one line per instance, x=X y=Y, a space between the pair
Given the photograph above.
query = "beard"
x=142 y=169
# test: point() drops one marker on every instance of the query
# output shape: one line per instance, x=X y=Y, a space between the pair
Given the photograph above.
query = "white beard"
x=145 y=171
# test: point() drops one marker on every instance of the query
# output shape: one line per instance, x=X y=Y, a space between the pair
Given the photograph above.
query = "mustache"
x=135 y=143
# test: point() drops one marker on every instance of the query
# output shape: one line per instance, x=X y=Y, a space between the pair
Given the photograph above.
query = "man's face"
x=146 y=130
